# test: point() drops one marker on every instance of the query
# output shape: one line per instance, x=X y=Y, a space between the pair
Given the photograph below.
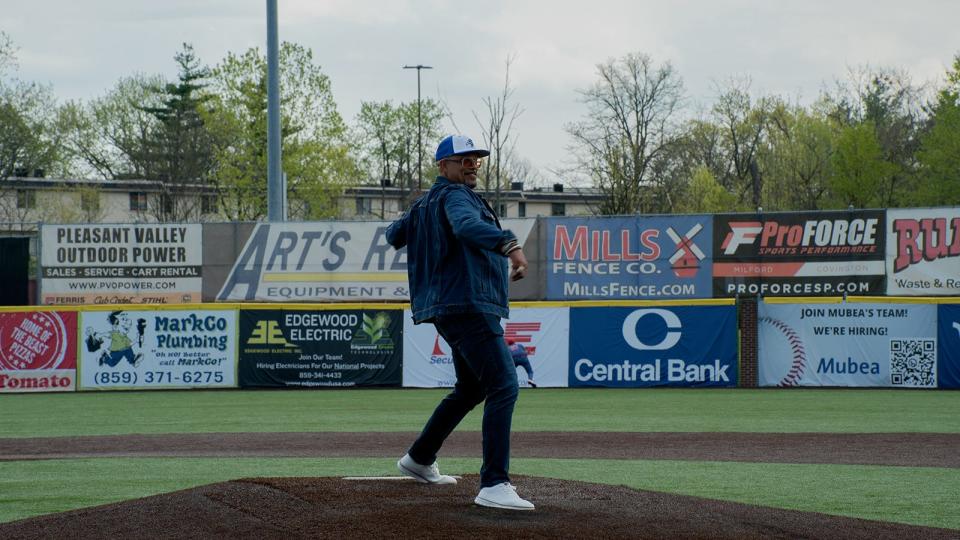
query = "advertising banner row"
x=899 y=252
x=624 y=347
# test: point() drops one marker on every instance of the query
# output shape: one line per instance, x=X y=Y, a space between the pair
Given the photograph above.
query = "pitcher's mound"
x=287 y=508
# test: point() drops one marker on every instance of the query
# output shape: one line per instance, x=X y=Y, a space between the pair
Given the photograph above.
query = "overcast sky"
x=788 y=47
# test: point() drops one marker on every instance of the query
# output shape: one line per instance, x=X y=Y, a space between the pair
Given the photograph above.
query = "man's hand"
x=518 y=265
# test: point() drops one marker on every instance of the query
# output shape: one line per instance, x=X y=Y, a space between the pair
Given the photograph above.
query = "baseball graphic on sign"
x=778 y=340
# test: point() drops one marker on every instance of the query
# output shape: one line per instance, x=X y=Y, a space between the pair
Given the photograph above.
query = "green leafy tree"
x=705 y=195
x=388 y=141
x=106 y=136
x=317 y=156
x=742 y=123
x=797 y=159
x=29 y=138
x=7 y=53
x=939 y=154
x=886 y=101
x=632 y=121
x=861 y=176
x=179 y=152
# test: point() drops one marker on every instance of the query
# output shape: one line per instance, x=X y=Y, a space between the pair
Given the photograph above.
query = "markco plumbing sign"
x=38 y=351
x=629 y=347
x=923 y=252
x=331 y=260
x=144 y=350
x=799 y=254
x=121 y=264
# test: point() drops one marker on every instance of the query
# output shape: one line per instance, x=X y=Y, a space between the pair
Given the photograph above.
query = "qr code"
x=913 y=362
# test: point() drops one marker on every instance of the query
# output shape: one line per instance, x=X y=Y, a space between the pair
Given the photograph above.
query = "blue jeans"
x=485 y=371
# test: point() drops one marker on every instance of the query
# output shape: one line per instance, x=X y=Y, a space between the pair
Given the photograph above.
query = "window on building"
x=90 y=201
x=166 y=204
x=502 y=210
x=138 y=201
x=364 y=206
x=208 y=204
x=558 y=209
x=26 y=199
x=522 y=209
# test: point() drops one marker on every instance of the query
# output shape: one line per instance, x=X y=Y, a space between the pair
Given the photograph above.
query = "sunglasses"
x=467 y=162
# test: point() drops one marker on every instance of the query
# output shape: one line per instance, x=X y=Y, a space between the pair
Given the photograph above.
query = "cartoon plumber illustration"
x=118 y=343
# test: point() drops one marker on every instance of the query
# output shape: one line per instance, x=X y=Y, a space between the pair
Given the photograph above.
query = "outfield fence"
x=833 y=342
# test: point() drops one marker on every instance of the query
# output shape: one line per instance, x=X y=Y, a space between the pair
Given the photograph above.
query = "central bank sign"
x=320 y=261
x=638 y=347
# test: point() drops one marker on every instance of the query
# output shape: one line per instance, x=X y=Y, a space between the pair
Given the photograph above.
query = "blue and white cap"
x=456 y=145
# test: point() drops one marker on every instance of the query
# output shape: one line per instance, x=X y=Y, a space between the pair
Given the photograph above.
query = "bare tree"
x=496 y=130
x=743 y=126
x=631 y=124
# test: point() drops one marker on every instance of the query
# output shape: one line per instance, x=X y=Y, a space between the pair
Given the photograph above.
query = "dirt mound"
x=290 y=508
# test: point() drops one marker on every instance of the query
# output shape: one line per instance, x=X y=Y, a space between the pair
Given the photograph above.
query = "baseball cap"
x=455 y=145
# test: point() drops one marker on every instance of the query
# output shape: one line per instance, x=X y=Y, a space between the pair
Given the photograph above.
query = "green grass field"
x=916 y=495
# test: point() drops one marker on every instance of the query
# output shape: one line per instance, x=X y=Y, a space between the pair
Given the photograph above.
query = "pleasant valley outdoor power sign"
x=121 y=264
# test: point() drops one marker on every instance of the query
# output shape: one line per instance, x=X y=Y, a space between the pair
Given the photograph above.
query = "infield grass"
x=915 y=495
x=650 y=410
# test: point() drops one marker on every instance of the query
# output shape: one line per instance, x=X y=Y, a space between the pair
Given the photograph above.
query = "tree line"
x=876 y=140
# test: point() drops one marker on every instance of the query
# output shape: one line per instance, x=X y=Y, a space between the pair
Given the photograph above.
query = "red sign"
x=38 y=350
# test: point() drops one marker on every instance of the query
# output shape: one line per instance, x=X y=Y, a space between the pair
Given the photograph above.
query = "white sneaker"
x=426 y=474
x=502 y=496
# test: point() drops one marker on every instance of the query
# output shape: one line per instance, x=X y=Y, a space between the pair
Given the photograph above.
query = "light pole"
x=419 y=67
x=276 y=186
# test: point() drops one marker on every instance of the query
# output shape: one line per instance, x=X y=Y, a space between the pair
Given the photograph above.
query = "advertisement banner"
x=543 y=332
x=294 y=348
x=948 y=343
x=799 y=254
x=38 y=351
x=121 y=264
x=323 y=261
x=847 y=345
x=923 y=252
x=147 y=350
x=630 y=347
x=628 y=257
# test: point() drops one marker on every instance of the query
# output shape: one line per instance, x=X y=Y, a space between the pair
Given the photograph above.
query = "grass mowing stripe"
x=914 y=495
x=741 y=410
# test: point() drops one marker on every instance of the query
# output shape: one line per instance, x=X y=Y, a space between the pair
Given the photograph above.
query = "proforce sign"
x=799 y=254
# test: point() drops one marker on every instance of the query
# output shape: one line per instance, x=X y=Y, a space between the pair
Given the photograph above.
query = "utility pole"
x=419 y=67
x=276 y=186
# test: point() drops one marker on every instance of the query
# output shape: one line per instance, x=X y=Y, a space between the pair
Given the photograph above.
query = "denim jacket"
x=454 y=260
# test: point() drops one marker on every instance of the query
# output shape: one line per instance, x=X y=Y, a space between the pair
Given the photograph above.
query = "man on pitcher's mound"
x=457 y=266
